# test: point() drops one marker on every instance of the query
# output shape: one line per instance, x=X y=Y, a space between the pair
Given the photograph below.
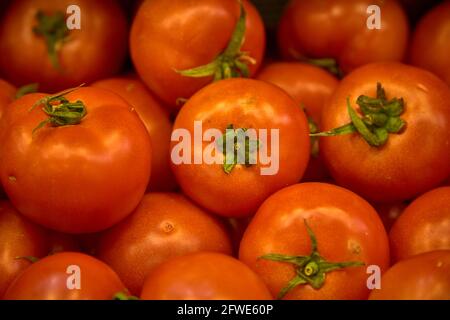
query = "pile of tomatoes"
x=106 y=190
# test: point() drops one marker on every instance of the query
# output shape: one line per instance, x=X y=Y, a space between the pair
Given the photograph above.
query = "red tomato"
x=75 y=178
x=239 y=189
x=163 y=226
x=156 y=121
x=41 y=48
x=279 y=243
x=18 y=238
x=167 y=36
x=423 y=226
x=7 y=93
x=422 y=277
x=411 y=161
x=430 y=47
x=204 y=276
x=310 y=87
x=338 y=29
x=55 y=278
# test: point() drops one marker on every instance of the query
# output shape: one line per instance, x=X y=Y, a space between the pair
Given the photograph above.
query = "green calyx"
x=380 y=117
x=328 y=64
x=26 y=89
x=124 y=296
x=31 y=259
x=53 y=28
x=310 y=269
x=234 y=154
x=60 y=111
x=232 y=63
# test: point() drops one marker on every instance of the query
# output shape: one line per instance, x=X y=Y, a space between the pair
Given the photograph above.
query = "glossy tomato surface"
x=181 y=34
x=422 y=277
x=412 y=161
x=157 y=122
x=423 y=226
x=310 y=87
x=66 y=276
x=204 y=276
x=94 y=51
x=163 y=226
x=346 y=228
x=18 y=238
x=430 y=47
x=243 y=104
x=75 y=178
x=338 y=29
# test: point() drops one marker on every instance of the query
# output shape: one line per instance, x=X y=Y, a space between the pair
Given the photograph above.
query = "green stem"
x=31 y=259
x=232 y=62
x=123 y=296
x=60 y=111
x=310 y=269
x=53 y=28
x=26 y=89
x=380 y=117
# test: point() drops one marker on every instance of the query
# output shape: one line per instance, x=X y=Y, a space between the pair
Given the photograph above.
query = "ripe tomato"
x=237 y=190
x=167 y=36
x=7 y=93
x=308 y=241
x=38 y=47
x=18 y=238
x=55 y=278
x=423 y=226
x=422 y=277
x=411 y=161
x=75 y=178
x=338 y=29
x=204 y=276
x=430 y=47
x=310 y=87
x=163 y=226
x=156 y=121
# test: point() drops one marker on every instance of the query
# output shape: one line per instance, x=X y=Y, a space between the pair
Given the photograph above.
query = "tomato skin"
x=423 y=226
x=347 y=228
x=422 y=277
x=430 y=48
x=95 y=51
x=400 y=169
x=18 y=238
x=164 y=225
x=204 y=276
x=244 y=103
x=310 y=87
x=102 y=164
x=322 y=29
x=7 y=93
x=157 y=122
x=47 y=279
x=183 y=34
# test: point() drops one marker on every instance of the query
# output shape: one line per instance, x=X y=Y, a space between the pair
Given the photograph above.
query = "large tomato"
x=204 y=276
x=430 y=46
x=83 y=171
x=163 y=226
x=18 y=238
x=173 y=35
x=401 y=146
x=156 y=121
x=310 y=87
x=37 y=46
x=423 y=226
x=422 y=277
x=310 y=240
x=233 y=186
x=338 y=30
x=66 y=276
